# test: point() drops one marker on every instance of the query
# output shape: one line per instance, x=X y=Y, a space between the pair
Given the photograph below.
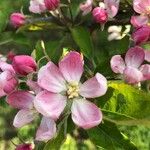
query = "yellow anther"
x=73 y=90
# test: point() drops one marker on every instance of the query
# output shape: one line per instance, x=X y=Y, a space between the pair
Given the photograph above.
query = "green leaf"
x=83 y=39
x=108 y=136
x=125 y=104
x=3 y=19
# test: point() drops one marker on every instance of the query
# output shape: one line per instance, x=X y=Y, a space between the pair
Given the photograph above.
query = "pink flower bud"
x=100 y=15
x=17 y=19
x=24 y=147
x=141 y=35
x=51 y=4
x=24 y=64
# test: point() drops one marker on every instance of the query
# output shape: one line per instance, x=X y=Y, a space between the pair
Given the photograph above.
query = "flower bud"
x=24 y=64
x=51 y=4
x=141 y=35
x=24 y=147
x=100 y=15
x=17 y=19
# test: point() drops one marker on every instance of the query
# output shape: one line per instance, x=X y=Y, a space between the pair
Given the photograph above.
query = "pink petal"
x=132 y=75
x=145 y=69
x=20 y=99
x=85 y=114
x=37 y=6
x=140 y=6
x=86 y=7
x=94 y=87
x=24 y=117
x=50 y=104
x=138 y=21
x=46 y=130
x=34 y=86
x=147 y=55
x=135 y=57
x=6 y=67
x=117 y=64
x=112 y=7
x=9 y=82
x=71 y=66
x=51 y=79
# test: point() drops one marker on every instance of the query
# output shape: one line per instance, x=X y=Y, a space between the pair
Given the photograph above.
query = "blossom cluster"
x=57 y=91
x=53 y=91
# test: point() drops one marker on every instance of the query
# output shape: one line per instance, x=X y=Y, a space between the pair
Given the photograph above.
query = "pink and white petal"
x=10 y=82
x=140 y=6
x=85 y=114
x=147 y=55
x=24 y=117
x=51 y=79
x=46 y=130
x=34 y=86
x=138 y=21
x=71 y=66
x=117 y=64
x=86 y=7
x=134 y=57
x=20 y=99
x=94 y=87
x=6 y=67
x=132 y=75
x=112 y=7
x=145 y=69
x=50 y=104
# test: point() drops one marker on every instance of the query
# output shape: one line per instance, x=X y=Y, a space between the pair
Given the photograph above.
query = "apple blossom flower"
x=17 y=19
x=24 y=147
x=141 y=34
x=8 y=81
x=37 y=6
x=23 y=100
x=142 y=7
x=86 y=7
x=138 y=21
x=51 y=4
x=62 y=84
x=105 y=11
x=132 y=69
x=24 y=64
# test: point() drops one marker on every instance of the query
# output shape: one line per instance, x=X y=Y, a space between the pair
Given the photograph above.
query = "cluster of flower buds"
x=141 y=22
x=132 y=69
x=102 y=13
x=36 y=6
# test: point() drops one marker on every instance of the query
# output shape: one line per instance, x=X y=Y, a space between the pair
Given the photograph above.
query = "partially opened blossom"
x=142 y=7
x=17 y=19
x=86 y=7
x=105 y=11
x=141 y=34
x=37 y=6
x=62 y=84
x=8 y=81
x=23 y=100
x=24 y=64
x=51 y=4
x=132 y=69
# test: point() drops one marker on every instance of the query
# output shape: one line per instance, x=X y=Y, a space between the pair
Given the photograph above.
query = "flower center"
x=73 y=90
